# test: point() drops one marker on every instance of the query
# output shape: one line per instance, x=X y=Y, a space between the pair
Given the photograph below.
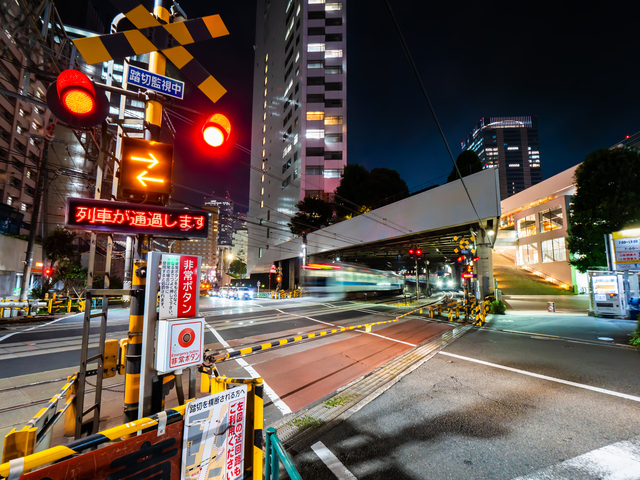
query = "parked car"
x=214 y=292
x=224 y=292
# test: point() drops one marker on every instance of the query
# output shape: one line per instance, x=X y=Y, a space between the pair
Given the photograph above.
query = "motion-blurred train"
x=349 y=281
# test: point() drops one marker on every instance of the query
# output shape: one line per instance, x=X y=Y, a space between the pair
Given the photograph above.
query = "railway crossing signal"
x=76 y=101
x=169 y=39
x=146 y=170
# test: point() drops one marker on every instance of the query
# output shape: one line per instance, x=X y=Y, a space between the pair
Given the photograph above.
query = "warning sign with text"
x=213 y=441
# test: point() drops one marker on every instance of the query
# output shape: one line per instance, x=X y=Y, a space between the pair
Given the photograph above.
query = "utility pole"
x=37 y=199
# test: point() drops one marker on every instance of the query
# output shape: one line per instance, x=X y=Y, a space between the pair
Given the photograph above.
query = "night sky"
x=575 y=66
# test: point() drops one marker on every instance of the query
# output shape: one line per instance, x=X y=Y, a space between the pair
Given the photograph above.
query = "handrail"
x=274 y=454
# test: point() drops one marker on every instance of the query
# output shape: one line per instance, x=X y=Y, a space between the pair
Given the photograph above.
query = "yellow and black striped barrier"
x=38 y=430
x=54 y=454
x=212 y=358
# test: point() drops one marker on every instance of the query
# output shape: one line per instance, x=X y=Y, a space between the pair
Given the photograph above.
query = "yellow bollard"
x=70 y=414
x=69 y=305
x=19 y=443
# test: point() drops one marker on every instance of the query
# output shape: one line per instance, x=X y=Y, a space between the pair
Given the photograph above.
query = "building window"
x=9 y=200
x=333 y=155
x=264 y=129
x=333 y=138
x=315 y=47
x=315 y=63
x=336 y=86
x=332 y=173
x=264 y=117
x=262 y=191
x=527 y=254
x=333 y=22
x=315 y=133
x=527 y=226
x=316 y=15
x=333 y=6
x=314 y=170
x=315 y=98
x=261 y=203
x=333 y=103
x=315 y=31
x=264 y=140
x=333 y=120
x=315 y=2
x=332 y=53
x=332 y=70
x=315 y=116
x=315 y=81
x=23 y=207
x=333 y=37
x=551 y=219
x=554 y=250
x=315 y=151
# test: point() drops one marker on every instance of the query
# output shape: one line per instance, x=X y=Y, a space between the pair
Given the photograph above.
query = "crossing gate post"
x=134 y=343
x=71 y=413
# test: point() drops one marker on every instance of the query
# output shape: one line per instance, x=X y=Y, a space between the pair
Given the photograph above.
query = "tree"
x=237 y=267
x=59 y=245
x=607 y=200
x=468 y=162
x=313 y=214
x=360 y=190
x=61 y=252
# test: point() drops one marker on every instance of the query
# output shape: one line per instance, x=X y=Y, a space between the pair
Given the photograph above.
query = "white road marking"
x=332 y=462
x=32 y=328
x=618 y=461
x=280 y=405
x=545 y=377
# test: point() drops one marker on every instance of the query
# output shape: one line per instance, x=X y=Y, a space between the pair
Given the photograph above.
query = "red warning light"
x=216 y=130
x=76 y=92
x=475 y=259
x=48 y=272
x=418 y=252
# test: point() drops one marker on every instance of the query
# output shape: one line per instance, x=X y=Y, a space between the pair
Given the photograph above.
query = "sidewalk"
x=529 y=314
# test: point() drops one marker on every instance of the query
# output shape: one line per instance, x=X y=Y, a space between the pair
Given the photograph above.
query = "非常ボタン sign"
x=153 y=81
x=133 y=218
x=146 y=167
x=180 y=344
x=179 y=286
x=213 y=439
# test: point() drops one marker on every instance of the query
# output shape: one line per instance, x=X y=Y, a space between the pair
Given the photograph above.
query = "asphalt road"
x=453 y=418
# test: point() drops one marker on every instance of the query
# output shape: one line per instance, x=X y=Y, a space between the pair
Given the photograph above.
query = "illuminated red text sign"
x=133 y=218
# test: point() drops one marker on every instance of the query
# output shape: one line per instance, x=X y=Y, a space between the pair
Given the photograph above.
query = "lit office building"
x=298 y=141
x=510 y=144
x=205 y=248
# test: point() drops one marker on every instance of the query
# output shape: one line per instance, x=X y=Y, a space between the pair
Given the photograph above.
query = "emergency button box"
x=179 y=344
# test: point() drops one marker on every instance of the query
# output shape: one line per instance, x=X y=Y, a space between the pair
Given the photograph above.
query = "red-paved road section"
x=306 y=376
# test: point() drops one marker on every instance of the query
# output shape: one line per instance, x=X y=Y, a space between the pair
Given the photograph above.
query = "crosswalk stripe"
x=618 y=461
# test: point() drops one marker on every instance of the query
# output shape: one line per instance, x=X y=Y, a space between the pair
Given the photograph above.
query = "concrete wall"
x=12 y=257
x=441 y=207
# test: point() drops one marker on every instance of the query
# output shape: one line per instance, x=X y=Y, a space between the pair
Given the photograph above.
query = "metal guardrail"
x=274 y=454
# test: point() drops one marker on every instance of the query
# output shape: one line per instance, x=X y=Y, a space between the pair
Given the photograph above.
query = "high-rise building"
x=299 y=122
x=226 y=221
x=511 y=145
x=205 y=248
x=22 y=129
x=629 y=141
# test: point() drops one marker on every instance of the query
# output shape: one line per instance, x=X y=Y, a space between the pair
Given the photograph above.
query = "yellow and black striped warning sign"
x=152 y=35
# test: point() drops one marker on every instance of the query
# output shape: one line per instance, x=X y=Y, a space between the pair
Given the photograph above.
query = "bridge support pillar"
x=484 y=266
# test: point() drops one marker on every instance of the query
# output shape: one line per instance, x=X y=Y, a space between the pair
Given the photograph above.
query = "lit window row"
x=337 y=120
x=315 y=116
x=315 y=47
x=315 y=133
x=333 y=53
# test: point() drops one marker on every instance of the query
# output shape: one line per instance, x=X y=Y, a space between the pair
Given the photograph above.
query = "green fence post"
x=268 y=453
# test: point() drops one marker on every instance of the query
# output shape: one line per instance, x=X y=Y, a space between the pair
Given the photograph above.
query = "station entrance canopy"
x=430 y=219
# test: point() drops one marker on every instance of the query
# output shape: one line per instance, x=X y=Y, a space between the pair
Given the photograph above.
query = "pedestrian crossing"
x=618 y=461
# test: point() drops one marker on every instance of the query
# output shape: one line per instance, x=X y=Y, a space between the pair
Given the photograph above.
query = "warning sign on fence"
x=213 y=441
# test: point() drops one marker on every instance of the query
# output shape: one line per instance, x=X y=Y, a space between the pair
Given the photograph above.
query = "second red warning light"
x=216 y=130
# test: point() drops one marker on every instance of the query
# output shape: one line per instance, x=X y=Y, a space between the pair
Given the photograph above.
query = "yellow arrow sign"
x=152 y=161
x=141 y=178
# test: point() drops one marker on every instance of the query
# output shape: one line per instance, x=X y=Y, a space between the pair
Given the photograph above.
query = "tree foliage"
x=468 y=162
x=313 y=214
x=237 y=267
x=360 y=190
x=607 y=200
x=59 y=245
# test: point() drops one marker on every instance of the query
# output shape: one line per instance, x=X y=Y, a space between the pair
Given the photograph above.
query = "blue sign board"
x=153 y=81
